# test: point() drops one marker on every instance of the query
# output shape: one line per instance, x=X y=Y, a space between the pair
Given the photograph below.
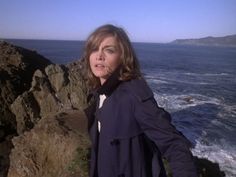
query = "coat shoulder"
x=138 y=88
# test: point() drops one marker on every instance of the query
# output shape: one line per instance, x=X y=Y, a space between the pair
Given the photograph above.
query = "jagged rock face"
x=30 y=95
x=51 y=145
x=56 y=146
x=56 y=89
x=17 y=66
x=58 y=76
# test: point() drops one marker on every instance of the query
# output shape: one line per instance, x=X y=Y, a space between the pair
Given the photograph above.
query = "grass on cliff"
x=79 y=166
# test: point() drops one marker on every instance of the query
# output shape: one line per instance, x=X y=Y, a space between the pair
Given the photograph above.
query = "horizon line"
x=37 y=39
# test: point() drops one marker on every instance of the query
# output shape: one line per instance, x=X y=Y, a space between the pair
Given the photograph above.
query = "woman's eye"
x=110 y=50
x=94 y=49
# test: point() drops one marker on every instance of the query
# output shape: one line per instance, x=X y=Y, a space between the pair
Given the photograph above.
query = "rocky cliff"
x=56 y=89
x=36 y=92
x=17 y=66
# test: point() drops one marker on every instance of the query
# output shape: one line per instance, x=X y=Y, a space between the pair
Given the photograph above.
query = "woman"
x=130 y=134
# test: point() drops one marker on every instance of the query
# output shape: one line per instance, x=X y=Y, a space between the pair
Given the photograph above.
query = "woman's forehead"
x=110 y=41
x=105 y=40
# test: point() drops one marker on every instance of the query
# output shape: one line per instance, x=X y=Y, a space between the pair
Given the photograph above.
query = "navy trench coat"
x=135 y=135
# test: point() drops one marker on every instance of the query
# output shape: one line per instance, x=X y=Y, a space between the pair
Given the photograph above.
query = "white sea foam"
x=175 y=103
x=166 y=80
x=185 y=78
x=157 y=81
x=228 y=109
x=225 y=157
x=206 y=74
x=220 y=152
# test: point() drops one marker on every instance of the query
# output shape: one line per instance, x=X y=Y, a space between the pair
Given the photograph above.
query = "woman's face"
x=105 y=59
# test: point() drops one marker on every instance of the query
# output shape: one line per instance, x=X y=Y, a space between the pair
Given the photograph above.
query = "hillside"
x=229 y=40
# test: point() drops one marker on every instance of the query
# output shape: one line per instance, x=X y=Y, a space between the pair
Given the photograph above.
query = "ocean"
x=196 y=84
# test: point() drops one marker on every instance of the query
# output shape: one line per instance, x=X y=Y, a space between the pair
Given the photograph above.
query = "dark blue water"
x=57 y=51
x=196 y=84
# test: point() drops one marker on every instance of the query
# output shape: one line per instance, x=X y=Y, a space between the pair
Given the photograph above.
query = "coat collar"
x=110 y=84
x=107 y=88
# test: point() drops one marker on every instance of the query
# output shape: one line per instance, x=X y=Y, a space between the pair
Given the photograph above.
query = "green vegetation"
x=80 y=162
x=79 y=166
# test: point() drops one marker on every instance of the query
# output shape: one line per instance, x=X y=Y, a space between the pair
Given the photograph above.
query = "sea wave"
x=206 y=74
x=156 y=80
x=209 y=128
x=175 y=77
x=218 y=153
x=175 y=103
x=228 y=109
x=168 y=79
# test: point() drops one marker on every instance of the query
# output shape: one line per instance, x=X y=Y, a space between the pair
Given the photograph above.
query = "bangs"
x=95 y=40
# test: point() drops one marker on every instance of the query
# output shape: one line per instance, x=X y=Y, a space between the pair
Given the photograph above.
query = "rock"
x=56 y=147
x=5 y=149
x=29 y=92
x=56 y=89
x=44 y=95
x=17 y=66
x=57 y=76
x=207 y=168
x=188 y=99
x=27 y=111
x=2 y=135
x=33 y=91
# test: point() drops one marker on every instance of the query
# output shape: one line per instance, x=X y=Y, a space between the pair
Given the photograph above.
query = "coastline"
x=63 y=70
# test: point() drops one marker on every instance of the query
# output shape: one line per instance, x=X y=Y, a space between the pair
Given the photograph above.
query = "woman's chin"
x=101 y=76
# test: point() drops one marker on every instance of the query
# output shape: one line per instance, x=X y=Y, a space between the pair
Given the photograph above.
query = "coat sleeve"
x=156 y=124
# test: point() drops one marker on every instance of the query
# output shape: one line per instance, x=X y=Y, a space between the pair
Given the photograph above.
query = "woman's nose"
x=100 y=55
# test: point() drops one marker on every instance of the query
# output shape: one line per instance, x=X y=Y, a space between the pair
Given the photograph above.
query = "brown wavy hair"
x=129 y=68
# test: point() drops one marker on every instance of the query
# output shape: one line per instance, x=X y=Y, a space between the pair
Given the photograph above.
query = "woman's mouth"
x=100 y=65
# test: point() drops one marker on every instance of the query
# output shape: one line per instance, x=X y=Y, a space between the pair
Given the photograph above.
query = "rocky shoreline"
x=43 y=130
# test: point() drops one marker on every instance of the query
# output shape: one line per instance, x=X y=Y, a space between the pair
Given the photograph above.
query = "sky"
x=143 y=20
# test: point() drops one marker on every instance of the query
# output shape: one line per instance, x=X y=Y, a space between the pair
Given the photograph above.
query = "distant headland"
x=229 y=40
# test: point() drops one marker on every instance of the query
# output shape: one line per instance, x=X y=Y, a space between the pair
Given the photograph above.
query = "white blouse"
x=101 y=100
